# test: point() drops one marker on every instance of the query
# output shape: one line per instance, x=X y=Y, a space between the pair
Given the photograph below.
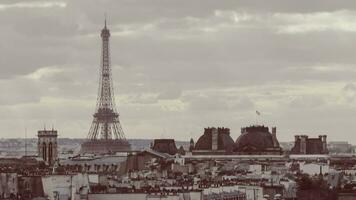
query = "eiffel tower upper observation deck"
x=105 y=134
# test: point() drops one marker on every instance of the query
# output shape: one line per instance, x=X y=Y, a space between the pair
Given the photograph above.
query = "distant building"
x=305 y=145
x=30 y=186
x=257 y=140
x=165 y=146
x=254 y=140
x=314 y=168
x=140 y=160
x=181 y=150
x=239 y=192
x=191 y=145
x=9 y=185
x=286 y=146
x=107 y=164
x=178 y=195
x=214 y=141
x=339 y=147
x=47 y=146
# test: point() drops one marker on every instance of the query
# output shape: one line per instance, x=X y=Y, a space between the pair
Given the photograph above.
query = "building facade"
x=254 y=140
x=214 y=141
x=257 y=140
x=47 y=146
x=165 y=146
x=305 y=145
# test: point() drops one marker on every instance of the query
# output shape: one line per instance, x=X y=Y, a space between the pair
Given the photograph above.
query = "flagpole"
x=25 y=142
x=256 y=122
x=257 y=114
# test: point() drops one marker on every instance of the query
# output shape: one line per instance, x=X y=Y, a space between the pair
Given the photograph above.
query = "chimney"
x=214 y=139
x=274 y=131
x=296 y=138
x=303 y=144
x=274 y=136
x=325 y=145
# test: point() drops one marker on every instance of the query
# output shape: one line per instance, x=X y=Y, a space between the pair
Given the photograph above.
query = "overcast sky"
x=180 y=66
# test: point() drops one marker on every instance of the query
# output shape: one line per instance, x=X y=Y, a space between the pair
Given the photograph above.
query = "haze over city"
x=180 y=66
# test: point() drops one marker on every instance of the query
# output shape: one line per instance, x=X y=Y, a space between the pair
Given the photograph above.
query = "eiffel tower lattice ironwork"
x=106 y=124
x=105 y=134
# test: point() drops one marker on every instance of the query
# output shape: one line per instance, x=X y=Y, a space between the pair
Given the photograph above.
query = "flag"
x=258 y=113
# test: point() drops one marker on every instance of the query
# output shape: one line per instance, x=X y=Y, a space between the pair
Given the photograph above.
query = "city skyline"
x=179 y=67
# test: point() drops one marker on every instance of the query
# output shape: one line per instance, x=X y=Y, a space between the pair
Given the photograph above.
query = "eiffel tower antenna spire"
x=105 y=20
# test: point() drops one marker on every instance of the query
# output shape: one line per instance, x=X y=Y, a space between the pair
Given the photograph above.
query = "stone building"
x=305 y=145
x=104 y=164
x=47 y=146
x=214 y=141
x=254 y=140
x=339 y=147
x=140 y=160
x=8 y=185
x=165 y=146
x=257 y=140
x=30 y=186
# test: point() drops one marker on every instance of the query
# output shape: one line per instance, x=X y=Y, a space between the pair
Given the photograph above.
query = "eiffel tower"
x=105 y=134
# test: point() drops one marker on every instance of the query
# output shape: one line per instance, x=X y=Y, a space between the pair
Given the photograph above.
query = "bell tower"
x=47 y=145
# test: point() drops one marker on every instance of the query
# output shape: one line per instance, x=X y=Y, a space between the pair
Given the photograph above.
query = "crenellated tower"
x=47 y=145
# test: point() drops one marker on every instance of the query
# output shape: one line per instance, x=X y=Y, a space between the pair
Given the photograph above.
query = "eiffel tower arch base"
x=103 y=146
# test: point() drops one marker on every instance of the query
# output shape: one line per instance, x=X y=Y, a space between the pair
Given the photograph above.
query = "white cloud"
x=292 y=23
x=173 y=105
x=33 y=4
x=43 y=72
x=286 y=23
x=233 y=15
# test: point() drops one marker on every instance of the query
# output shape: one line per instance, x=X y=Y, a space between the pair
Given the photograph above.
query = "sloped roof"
x=225 y=142
x=254 y=138
x=165 y=146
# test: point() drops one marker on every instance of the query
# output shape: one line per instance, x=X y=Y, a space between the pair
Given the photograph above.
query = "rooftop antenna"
x=105 y=19
x=25 y=142
x=258 y=114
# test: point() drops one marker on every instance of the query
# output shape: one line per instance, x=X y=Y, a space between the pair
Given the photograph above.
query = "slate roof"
x=254 y=138
x=225 y=142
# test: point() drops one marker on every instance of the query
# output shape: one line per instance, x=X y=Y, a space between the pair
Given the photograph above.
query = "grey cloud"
x=173 y=93
x=181 y=66
x=19 y=91
x=210 y=102
x=349 y=92
x=305 y=101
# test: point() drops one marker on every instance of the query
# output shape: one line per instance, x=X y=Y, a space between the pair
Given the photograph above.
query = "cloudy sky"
x=180 y=66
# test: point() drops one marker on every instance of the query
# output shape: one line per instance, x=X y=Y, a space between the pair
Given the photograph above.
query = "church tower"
x=47 y=145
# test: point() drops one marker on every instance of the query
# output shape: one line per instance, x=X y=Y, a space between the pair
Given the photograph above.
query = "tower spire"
x=105 y=20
